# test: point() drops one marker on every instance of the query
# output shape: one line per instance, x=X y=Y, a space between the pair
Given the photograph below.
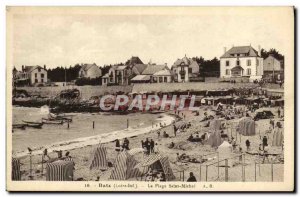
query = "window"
x=42 y=75
x=227 y=63
x=227 y=72
x=248 y=62
x=36 y=80
x=238 y=62
x=160 y=79
x=39 y=69
x=35 y=75
x=42 y=80
x=165 y=79
x=249 y=71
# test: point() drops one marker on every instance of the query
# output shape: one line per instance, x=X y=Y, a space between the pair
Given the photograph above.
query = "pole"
x=127 y=123
x=272 y=172
x=68 y=125
x=206 y=173
x=226 y=170
x=30 y=170
x=42 y=164
x=243 y=168
x=218 y=165
x=200 y=173
x=255 y=172
x=183 y=176
x=65 y=76
x=93 y=124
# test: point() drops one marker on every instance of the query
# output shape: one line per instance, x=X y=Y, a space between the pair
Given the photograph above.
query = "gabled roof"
x=134 y=60
x=141 y=78
x=151 y=69
x=185 y=60
x=29 y=69
x=164 y=72
x=139 y=68
x=86 y=67
x=249 y=51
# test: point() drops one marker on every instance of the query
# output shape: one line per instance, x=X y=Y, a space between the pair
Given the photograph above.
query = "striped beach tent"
x=60 y=171
x=124 y=167
x=16 y=172
x=156 y=161
x=99 y=158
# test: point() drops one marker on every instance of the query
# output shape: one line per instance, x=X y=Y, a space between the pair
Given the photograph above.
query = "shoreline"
x=166 y=119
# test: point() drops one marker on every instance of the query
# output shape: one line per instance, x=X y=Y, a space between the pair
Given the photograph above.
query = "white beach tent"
x=225 y=151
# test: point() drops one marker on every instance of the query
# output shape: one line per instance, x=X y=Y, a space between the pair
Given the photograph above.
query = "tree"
x=274 y=52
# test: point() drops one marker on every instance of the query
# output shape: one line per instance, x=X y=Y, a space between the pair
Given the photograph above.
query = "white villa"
x=241 y=62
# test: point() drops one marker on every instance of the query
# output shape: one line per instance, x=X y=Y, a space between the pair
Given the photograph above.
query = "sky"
x=56 y=39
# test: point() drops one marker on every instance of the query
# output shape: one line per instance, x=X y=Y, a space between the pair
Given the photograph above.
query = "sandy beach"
x=82 y=150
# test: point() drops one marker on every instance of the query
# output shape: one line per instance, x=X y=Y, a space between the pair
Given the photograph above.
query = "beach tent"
x=246 y=126
x=215 y=139
x=99 y=158
x=215 y=124
x=157 y=161
x=277 y=138
x=225 y=148
x=16 y=173
x=124 y=167
x=60 y=171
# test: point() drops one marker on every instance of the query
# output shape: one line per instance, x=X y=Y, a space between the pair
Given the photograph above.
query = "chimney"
x=23 y=68
x=259 y=51
x=225 y=50
x=44 y=66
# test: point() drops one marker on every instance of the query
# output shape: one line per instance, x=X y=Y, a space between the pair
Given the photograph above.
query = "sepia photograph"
x=159 y=99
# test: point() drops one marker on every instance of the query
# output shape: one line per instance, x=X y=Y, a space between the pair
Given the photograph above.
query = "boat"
x=51 y=121
x=65 y=118
x=37 y=125
x=19 y=126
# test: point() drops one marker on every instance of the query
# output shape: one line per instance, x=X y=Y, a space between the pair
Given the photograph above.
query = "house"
x=241 y=62
x=121 y=74
x=117 y=75
x=185 y=70
x=273 y=68
x=90 y=71
x=31 y=75
x=154 y=74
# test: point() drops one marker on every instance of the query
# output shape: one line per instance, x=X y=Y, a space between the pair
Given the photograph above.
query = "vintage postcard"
x=190 y=99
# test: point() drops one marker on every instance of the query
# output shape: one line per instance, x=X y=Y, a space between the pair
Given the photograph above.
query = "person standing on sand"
x=143 y=144
x=192 y=178
x=278 y=112
x=151 y=146
x=147 y=145
x=174 y=129
x=248 y=144
x=265 y=142
x=158 y=134
x=117 y=145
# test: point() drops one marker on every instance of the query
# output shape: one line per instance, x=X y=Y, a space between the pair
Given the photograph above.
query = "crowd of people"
x=149 y=146
x=124 y=146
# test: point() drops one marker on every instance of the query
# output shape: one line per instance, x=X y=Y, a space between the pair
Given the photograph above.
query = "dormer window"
x=238 y=62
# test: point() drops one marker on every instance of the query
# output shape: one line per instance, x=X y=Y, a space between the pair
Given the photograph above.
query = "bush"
x=88 y=81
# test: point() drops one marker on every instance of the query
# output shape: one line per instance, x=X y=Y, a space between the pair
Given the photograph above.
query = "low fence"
x=234 y=169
